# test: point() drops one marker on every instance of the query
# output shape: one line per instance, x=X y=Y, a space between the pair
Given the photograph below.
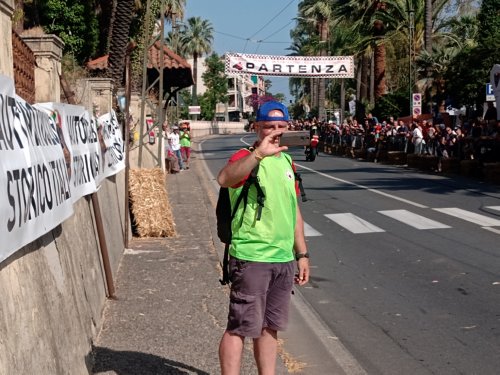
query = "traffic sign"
x=490 y=97
x=417 y=99
x=416 y=107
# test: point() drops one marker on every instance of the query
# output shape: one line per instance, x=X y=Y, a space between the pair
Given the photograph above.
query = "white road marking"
x=472 y=217
x=494 y=230
x=497 y=208
x=414 y=220
x=391 y=196
x=310 y=231
x=353 y=223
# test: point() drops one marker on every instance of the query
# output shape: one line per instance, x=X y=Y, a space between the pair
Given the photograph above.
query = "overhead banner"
x=290 y=66
x=34 y=176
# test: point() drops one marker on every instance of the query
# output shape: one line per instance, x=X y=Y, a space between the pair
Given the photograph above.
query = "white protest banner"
x=80 y=137
x=290 y=66
x=34 y=178
x=112 y=146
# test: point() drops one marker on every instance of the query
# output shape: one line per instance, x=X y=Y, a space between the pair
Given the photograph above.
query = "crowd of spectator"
x=474 y=140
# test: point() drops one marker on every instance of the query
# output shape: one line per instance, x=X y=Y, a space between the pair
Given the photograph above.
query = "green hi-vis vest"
x=271 y=238
x=184 y=139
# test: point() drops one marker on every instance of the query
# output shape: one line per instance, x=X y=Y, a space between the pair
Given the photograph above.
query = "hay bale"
x=149 y=203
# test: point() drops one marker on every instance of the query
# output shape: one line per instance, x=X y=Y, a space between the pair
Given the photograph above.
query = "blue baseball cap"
x=265 y=108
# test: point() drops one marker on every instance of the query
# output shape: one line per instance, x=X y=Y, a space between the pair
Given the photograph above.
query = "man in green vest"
x=268 y=252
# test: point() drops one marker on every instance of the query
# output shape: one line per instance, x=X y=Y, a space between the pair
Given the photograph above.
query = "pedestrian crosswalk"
x=472 y=217
x=353 y=223
x=357 y=225
x=414 y=220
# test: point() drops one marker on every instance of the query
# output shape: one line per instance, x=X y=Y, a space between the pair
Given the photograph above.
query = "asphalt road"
x=406 y=265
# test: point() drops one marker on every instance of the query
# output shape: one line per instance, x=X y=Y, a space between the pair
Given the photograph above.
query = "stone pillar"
x=6 y=57
x=96 y=94
x=48 y=54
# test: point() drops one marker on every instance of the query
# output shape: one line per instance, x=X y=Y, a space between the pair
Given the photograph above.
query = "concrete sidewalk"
x=171 y=310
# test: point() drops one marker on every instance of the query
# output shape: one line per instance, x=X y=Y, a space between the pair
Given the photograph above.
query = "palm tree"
x=319 y=13
x=196 y=39
x=124 y=14
x=174 y=11
x=428 y=26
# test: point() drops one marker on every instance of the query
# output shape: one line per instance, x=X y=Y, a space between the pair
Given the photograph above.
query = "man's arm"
x=236 y=171
x=300 y=247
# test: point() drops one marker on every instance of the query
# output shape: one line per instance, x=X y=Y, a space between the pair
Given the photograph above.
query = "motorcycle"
x=311 y=151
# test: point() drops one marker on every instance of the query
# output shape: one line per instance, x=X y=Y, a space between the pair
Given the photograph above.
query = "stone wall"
x=48 y=55
x=6 y=11
x=53 y=290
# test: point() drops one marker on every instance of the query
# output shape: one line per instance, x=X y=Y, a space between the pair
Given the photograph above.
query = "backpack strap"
x=298 y=178
x=225 y=266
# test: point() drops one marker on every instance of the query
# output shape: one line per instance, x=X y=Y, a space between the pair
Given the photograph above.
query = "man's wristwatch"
x=301 y=255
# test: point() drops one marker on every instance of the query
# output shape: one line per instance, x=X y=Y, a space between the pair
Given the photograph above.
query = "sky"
x=258 y=27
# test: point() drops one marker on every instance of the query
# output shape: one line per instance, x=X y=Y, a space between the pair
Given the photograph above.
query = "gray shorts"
x=260 y=296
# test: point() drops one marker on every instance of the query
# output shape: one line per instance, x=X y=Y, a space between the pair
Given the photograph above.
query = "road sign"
x=416 y=107
x=417 y=100
x=490 y=97
x=194 y=109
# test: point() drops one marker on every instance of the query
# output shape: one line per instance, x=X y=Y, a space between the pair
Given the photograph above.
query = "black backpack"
x=225 y=216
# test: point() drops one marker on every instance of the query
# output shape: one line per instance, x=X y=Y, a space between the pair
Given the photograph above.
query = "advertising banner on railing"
x=80 y=145
x=34 y=175
x=51 y=154
x=290 y=66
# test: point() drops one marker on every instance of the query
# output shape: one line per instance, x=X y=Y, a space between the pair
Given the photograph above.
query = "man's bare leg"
x=265 y=350
x=230 y=352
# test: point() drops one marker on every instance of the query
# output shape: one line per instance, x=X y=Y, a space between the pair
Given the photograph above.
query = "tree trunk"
x=195 y=79
x=314 y=93
x=379 y=70
x=119 y=40
x=379 y=60
x=194 y=90
x=363 y=92
x=428 y=26
x=322 y=81
x=106 y=20
x=372 y=79
x=342 y=100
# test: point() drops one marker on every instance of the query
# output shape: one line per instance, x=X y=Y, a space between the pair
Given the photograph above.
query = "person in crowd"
x=417 y=138
x=171 y=162
x=185 y=141
x=403 y=135
x=263 y=253
x=174 y=140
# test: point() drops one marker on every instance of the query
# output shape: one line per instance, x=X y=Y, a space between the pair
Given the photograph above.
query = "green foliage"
x=74 y=21
x=395 y=104
x=215 y=81
x=470 y=69
x=184 y=102
x=207 y=109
